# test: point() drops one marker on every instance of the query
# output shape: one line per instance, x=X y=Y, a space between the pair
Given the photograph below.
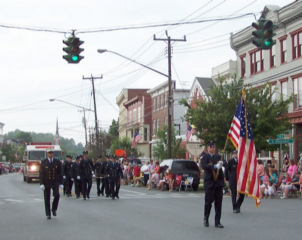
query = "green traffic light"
x=75 y=58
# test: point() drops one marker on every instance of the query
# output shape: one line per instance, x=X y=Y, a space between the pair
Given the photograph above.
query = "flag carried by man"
x=136 y=138
x=190 y=131
x=241 y=136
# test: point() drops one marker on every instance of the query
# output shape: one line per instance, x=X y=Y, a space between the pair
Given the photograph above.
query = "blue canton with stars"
x=242 y=121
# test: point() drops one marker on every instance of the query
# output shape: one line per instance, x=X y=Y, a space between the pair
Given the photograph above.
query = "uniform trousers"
x=105 y=185
x=56 y=197
x=115 y=186
x=86 y=186
x=236 y=202
x=68 y=185
x=77 y=187
x=214 y=194
x=98 y=184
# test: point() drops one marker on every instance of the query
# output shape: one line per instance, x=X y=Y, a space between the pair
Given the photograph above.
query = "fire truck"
x=34 y=153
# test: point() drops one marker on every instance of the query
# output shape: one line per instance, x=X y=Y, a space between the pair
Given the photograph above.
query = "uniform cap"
x=78 y=157
x=85 y=152
x=49 y=150
x=235 y=151
x=68 y=156
x=211 y=143
x=100 y=156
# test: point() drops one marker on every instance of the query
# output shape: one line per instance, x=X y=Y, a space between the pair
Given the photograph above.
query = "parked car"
x=184 y=167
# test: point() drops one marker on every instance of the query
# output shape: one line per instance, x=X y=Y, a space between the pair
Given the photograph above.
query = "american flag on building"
x=136 y=138
x=241 y=136
x=190 y=131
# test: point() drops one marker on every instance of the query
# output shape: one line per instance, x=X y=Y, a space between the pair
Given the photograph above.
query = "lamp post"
x=83 y=109
x=170 y=100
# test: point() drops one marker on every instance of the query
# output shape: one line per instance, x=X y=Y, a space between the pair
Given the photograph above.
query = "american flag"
x=136 y=138
x=190 y=131
x=241 y=136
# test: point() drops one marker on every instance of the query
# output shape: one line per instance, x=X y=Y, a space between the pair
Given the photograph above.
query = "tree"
x=212 y=118
x=160 y=149
x=113 y=129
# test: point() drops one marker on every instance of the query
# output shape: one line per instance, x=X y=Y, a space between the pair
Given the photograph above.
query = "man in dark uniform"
x=51 y=177
x=231 y=176
x=97 y=172
x=67 y=175
x=74 y=174
x=115 y=174
x=104 y=174
x=213 y=184
x=85 y=175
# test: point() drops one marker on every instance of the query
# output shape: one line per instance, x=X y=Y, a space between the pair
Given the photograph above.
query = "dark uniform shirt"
x=85 y=170
x=51 y=173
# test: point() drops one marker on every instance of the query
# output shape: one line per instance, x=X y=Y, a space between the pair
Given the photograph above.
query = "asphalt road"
x=139 y=214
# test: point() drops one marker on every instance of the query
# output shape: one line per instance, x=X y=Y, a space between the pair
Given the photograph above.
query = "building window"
x=283 y=49
x=297 y=92
x=166 y=97
x=157 y=124
x=154 y=127
x=272 y=56
x=256 y=62
x=145 y=134
x=130 y=117
x=166 y=120
x=297 y=43
x=154 y=104
x=284 y=89
x=162 y=100
x=242 y=65
x=139 y=114
x=158 y=102
x=273 y=91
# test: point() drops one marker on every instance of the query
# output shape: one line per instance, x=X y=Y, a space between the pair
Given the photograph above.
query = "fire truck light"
x=33 y=167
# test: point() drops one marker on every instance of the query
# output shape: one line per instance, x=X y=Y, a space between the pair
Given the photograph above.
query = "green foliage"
x=212 y=118
x=160 y=148
x=113 y=129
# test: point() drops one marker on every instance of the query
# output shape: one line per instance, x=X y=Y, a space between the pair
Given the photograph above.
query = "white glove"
x=108 y=176
x=93 y=175
x=64 y=177
x=61 y=186
x=72 y=179
x=42 y=187
x=218 y=165
x=92 y=172
x=78 y=177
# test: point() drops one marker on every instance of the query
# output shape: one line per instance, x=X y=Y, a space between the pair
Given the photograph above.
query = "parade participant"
x=231 y=176
x=67 y=175
x=85 y=175
x=97 y=172
x=104 y=174
x=77 y=182
x=51 y=177
x=213 y=184
x=115 y=174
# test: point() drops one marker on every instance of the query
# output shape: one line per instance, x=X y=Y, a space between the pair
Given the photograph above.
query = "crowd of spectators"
x=288 y=180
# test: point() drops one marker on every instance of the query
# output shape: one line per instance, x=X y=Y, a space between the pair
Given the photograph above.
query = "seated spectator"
x=161 y=184
x=145 y=169
x=129 y=173
x=154 y=176
x=269 y=190
x=285 y=165
x=266 y=177
x=262 y=188
x=292 y=169
x=273 y=178
x=287 y=179
x=260 y=169
x=170 y=180
x=293 y=185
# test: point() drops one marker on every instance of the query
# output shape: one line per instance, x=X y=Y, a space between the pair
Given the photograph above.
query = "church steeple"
x=57 y=140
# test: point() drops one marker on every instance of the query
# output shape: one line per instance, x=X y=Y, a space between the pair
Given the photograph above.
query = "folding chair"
x=188 y=183
x=177 y=183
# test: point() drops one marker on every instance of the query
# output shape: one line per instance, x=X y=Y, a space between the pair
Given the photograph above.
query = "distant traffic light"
x=263 y=34
x=73 y=50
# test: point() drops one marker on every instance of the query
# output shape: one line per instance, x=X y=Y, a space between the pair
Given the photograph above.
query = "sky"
x=32 y=70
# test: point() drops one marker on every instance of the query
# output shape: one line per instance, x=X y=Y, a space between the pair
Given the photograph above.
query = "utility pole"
x=170 y=97
x=95 y=111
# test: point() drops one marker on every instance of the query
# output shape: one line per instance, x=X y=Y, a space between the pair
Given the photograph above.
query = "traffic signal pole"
x=170 y=96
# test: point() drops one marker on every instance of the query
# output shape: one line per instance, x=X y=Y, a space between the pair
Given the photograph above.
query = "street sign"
x=280 y=136
x=280 y=141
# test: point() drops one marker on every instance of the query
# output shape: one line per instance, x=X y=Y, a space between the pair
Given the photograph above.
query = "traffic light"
x=73 y=50
x=264 y=34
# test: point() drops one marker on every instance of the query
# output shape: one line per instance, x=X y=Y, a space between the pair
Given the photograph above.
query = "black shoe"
x=88 y=197
x=206 y=223
x=78 y=196
x=54 y=212
x=103 y=194
x=218 y=225
x=117 y=197
x=99 y=194
x=107 y=195
x=236 y=211
x=84 y=198
x=113 y=198
x=48 y=217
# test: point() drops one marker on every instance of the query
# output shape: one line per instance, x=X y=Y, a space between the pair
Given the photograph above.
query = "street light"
x=170 y=100
x=83 y=109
